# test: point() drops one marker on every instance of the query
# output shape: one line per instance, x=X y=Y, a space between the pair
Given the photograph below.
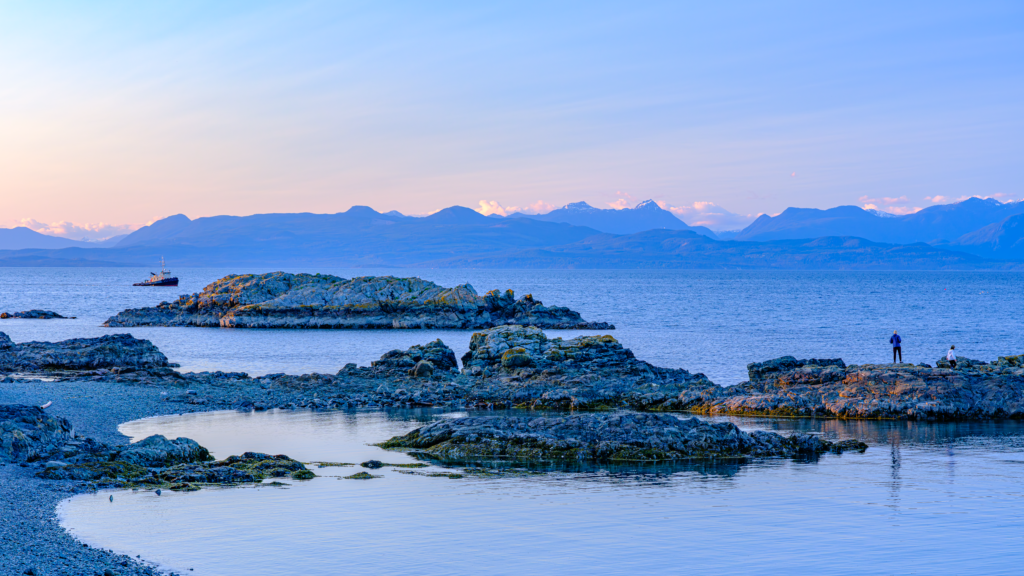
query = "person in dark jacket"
x=896 y=348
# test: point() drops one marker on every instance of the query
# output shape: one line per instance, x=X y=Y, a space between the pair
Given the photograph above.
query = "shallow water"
x=705 y=321
x=924 y=499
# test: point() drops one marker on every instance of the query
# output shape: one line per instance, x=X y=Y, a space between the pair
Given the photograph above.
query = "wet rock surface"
x=602 y=437
x=282 y=300
x=116 y=351
x=31 y=314
x=974 y=390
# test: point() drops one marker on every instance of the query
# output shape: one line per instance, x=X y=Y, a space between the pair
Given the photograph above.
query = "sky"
x=114 y=114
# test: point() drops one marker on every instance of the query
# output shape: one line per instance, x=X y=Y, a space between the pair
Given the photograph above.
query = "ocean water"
x=715 y=322
x=924 y=499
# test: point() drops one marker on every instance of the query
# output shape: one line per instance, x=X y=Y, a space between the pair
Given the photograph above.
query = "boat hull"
x=164 y=282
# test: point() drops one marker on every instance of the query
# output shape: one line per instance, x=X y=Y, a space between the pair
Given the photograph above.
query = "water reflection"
x=898 y=508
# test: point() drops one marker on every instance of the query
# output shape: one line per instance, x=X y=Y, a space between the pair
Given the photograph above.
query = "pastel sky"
x=116 y=113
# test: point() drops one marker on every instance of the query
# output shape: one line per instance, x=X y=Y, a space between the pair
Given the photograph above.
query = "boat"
x=164 y=278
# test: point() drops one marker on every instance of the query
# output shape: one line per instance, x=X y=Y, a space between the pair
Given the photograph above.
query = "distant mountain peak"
x=648 y=205
x=881 y=214
x=579 y=207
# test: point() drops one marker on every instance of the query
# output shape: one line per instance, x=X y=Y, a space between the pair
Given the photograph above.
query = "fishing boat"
x=164 y=278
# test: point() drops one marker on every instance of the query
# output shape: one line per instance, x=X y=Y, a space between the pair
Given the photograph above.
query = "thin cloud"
x=625 y=201
x=884 y=201
x=710 y=215
x=73 y=231
x=488 y=207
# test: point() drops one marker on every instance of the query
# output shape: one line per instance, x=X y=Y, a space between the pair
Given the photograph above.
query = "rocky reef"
x=602 y=438
x=281 y=300
x=29 y=435
x=116 y=351
x=829 y=388
x=32 y=314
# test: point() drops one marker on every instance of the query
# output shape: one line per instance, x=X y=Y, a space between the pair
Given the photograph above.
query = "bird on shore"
x=111 y=497
x=157 y=491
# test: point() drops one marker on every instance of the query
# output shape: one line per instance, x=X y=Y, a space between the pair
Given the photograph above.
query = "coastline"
x=31 y=535
x=507 y=367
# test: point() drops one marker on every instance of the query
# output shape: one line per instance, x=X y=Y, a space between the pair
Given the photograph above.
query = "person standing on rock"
x=951 y=357
x=896 y=348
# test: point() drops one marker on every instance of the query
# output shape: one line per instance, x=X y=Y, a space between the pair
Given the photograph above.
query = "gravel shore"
x=30 y=535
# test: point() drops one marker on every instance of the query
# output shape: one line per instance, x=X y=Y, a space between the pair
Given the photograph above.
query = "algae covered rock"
x=282 y=300
x=600 y=438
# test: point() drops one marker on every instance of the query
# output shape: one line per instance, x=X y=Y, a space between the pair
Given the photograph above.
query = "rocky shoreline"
x=789 y=387
x=101 y=382
x=318 y=301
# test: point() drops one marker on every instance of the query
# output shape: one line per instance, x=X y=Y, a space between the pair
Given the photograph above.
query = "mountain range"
x=575 y=236
x=983 y=227
x=647 y=215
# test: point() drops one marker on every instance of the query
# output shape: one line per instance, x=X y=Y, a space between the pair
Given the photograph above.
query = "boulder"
x=281 y=300
x=436 y=353
x=158 y=452
x=600 y=438
x=773 y=369
x=422 y=369
x=28 y=433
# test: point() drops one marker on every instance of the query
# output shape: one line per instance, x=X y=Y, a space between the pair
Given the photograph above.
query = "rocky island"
x=281 y=300
x=602 y=438
x=32 y=315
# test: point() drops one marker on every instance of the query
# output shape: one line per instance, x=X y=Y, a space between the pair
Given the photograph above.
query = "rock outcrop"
x=28 y=433
x=31 y=314
x=158 y=452
x=602 y=438
x=419 y=360
x=519 y=366
x=829 y=388
x=112 y=351
x=281 y=300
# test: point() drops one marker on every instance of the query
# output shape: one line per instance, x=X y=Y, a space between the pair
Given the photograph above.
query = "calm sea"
x=925 y=498
x=704 y=321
